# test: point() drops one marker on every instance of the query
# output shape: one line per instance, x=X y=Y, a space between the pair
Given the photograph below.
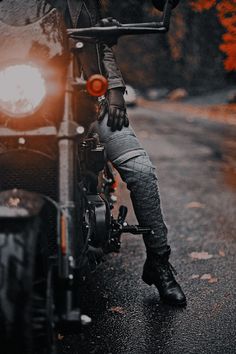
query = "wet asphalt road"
x=196 y=166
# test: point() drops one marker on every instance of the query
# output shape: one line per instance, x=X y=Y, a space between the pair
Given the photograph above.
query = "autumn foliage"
x=226 y=10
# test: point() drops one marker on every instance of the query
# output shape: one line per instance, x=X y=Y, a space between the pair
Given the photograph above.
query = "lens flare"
x=22 y=89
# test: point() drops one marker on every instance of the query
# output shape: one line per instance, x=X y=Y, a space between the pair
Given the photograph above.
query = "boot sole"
x=147 y=281
x=167 y=302
x=176 y=304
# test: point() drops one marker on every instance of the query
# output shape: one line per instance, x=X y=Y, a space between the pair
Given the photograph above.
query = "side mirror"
x=160 y=4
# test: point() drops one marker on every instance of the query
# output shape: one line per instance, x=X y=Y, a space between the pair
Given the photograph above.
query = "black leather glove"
x=114 y=105
x=107 y=38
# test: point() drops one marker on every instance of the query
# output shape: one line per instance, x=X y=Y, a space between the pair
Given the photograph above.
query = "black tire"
x=25 y=289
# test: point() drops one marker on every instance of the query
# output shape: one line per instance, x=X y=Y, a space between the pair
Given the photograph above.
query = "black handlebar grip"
x=174 y=3
x=160 y=4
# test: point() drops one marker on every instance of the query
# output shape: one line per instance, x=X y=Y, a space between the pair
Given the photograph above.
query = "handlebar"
x=111 y=30
x=101 y=33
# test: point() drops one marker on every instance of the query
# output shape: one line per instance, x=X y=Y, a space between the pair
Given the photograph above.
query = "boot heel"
x=147 y=280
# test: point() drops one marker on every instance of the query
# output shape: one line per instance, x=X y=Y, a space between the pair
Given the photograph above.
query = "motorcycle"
x=56 y=224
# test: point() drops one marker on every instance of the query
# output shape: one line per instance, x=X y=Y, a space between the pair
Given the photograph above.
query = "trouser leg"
x=141 y=180
x=132 y=162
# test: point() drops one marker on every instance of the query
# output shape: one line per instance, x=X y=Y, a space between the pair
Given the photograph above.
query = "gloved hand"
x=114 y=105
x=108 y=22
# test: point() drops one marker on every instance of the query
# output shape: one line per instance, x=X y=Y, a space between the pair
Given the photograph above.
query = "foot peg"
x=131 y=229
x=119 y=227
x=136 y=229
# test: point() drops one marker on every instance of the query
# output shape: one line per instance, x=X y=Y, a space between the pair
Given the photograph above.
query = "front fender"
x=18 y=203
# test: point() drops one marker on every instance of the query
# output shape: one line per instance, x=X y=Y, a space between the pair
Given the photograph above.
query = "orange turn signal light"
x=97 y=85
x=115 y=184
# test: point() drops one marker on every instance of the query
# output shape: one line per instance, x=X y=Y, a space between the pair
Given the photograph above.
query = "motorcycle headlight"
x=22 y=89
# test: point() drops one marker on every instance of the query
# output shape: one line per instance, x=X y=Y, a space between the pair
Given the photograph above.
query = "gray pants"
x=132 y=162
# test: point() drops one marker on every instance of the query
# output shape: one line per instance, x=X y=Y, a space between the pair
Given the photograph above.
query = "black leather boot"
x=158 y=271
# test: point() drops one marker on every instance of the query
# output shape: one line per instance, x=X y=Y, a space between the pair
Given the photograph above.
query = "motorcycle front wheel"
x=26 y=301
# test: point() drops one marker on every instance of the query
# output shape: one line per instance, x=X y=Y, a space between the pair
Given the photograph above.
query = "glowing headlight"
x=22 y=89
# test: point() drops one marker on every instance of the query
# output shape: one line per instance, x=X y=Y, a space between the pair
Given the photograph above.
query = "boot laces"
x=166 y=270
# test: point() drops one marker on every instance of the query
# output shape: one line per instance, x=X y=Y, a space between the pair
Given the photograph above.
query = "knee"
x=138 y=170
x=141 y=164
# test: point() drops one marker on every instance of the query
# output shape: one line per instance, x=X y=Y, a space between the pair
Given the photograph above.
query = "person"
x=125 y=152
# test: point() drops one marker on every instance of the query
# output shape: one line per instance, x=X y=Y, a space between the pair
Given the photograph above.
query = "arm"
x=114 y=103
x=112 y=70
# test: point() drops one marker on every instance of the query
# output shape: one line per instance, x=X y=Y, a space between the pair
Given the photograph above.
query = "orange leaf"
x=201 y=255
x=117 y=309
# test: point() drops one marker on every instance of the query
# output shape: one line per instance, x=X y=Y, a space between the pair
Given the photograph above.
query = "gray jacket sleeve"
x=110 y=65
x=112 y=70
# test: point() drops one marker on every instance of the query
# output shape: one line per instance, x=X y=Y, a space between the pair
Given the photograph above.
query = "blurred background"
x=198 y=55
